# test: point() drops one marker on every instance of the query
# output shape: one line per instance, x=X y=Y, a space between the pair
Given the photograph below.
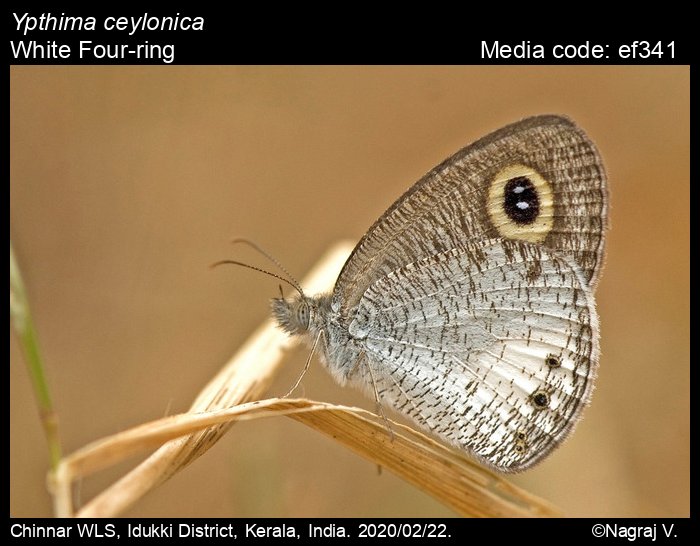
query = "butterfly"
x=468 y=305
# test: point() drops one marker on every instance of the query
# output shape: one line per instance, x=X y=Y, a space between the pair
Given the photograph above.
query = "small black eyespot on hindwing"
x=520 y=446
x=540 y=399
x=520 y=200
x=553 y=361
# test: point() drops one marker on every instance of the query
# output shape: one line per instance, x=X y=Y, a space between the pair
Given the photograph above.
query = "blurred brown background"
x=127 y=182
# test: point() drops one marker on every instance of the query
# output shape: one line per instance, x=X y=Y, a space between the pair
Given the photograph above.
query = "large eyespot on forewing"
x=521 y=204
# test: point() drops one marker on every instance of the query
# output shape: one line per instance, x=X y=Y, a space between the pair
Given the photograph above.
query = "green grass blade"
x=24 y=327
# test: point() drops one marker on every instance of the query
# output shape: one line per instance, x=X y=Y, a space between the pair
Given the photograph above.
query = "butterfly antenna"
x=292 y=281
x=234 y=262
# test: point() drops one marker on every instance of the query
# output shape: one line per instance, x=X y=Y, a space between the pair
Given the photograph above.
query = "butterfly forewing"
x=451 y=205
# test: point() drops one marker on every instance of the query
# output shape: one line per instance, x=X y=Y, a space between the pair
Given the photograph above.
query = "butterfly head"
x=293 y=315
x=301 y=314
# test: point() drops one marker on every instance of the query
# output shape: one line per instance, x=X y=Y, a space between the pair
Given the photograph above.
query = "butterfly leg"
x=377 y=398
x=306 y=366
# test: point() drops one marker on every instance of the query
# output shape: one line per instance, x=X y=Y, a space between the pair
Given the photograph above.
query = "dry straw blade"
x=446 y=474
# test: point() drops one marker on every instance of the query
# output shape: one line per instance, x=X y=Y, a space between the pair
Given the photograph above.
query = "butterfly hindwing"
x=498 y=358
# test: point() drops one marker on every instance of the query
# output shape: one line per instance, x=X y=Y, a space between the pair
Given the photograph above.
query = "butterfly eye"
x=303 y=314
x=521 y=204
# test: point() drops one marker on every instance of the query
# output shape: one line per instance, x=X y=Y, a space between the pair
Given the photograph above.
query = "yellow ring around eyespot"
x=534 y=232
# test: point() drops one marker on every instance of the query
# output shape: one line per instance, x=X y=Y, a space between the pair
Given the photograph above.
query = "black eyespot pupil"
x=553 y=361
x=540 y=400
x=521 y=202
x=520 y=442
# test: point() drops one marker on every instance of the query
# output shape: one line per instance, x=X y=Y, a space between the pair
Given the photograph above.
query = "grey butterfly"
x=468 y=306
